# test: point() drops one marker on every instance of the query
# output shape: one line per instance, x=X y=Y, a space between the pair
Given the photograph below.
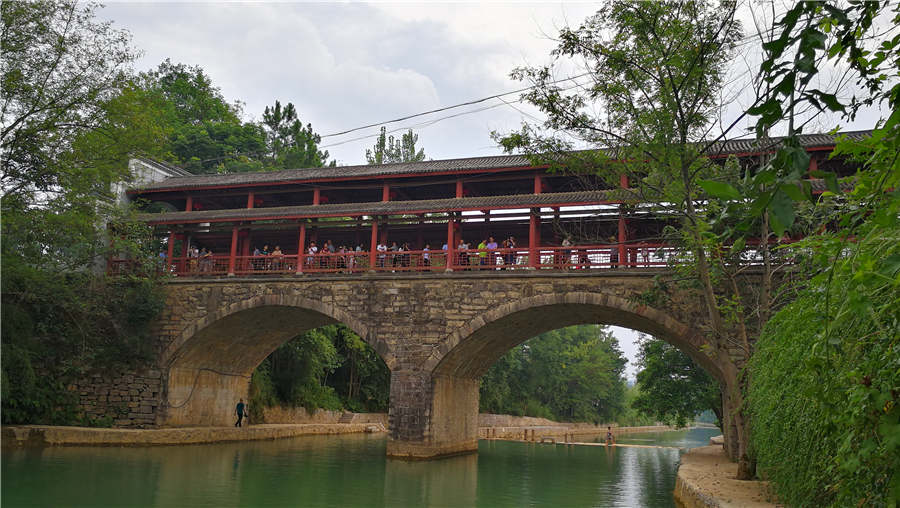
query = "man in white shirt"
x=382 y=248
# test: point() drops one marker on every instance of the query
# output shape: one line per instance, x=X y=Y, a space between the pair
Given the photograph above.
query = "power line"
x=428 y=123
x=742 y=42
x=445 y=108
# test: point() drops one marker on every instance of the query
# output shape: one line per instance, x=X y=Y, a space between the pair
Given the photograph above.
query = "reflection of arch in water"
x=211 y=361
x=465 y=355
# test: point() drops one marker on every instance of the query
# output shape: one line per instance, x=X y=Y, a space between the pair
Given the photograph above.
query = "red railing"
x=579 y=257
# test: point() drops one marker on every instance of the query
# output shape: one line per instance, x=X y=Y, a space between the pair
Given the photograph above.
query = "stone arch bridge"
x=437 y=333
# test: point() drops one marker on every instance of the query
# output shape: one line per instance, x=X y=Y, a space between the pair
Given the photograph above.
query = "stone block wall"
x=279 y=414
x=125 y=399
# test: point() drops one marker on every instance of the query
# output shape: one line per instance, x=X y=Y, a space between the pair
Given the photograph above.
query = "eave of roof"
x=496 y=163
x=393 y=207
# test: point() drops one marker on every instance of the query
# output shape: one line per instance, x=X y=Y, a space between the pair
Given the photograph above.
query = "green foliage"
x=631 y=417
x=825 y=390
x=826 y=376
x=571 y=374
x=205 y=132
x=71 y=119
x=288 y=143
x=673 y=389
x=329 y=367
x=387 y=150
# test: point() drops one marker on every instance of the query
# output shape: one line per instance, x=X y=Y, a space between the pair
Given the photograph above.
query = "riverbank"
x=49 y=435
x=706 y=479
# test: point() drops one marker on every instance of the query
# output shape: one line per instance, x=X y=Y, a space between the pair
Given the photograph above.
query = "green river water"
x=346 y=471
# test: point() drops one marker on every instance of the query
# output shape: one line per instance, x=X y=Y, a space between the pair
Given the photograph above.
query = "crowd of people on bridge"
x=399 y=256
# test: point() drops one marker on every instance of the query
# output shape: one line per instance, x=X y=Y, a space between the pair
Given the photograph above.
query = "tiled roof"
x=471 y=164
x=392 y=207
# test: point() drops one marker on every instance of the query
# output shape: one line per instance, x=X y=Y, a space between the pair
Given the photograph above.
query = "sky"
x=346 y=65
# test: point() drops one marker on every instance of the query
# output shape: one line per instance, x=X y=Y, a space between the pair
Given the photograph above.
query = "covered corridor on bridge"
x=427 y=216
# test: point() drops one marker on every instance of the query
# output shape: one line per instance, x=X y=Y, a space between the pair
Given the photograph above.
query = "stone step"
x=346 y=418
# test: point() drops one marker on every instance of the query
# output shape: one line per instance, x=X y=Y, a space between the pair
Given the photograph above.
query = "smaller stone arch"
x=336 y=314
x=209 y=364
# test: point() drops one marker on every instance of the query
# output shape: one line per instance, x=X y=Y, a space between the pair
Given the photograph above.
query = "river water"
x=346 y=471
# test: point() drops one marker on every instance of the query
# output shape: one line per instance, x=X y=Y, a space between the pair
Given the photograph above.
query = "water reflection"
x=339 y=471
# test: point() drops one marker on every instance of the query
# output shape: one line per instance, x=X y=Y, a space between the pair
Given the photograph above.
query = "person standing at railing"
x=277 y=258
x=394 y=259
x=492 y=250
x=565 y=255
x=613 y=251
x=462 y=252
x=312 y=252
x=381 y=249
x=266 y=263
x=482 y=252
x=404 y=258
x=194 y=256
x=511 y=255
x=206 y=260
x=426 y=253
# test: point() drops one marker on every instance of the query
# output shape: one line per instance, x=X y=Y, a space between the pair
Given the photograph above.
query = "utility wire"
x=742 y=42
x=445 y=108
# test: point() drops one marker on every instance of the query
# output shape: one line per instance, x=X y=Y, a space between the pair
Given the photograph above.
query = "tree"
x=570 y=374
x=844 y=321
x=206 y=133
x=672 y=388
x=71 y=118
x=388 y=150
x=60 y=68
x=657 y=70
x=288 y=143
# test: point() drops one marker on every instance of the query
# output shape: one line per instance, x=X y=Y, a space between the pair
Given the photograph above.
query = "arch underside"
x=211 y=363
x=471 y=351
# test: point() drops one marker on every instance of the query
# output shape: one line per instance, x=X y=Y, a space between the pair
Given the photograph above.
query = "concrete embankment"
x=46 y=435
x=525 y=428
x=706 y=479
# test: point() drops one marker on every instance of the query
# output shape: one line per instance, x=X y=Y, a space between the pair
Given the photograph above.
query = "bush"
x=826 y=381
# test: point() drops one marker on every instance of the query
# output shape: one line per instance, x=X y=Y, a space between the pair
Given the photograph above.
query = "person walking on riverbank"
x=241 y=413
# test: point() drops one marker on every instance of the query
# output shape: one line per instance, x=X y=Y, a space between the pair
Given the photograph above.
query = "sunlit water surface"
x=346 y=471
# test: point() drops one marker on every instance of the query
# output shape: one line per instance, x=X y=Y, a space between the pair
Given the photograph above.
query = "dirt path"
x=706 y=479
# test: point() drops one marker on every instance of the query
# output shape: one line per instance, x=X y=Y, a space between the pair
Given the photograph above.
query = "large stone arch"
x=470 y=350
x=209 y=363
x=448 y=384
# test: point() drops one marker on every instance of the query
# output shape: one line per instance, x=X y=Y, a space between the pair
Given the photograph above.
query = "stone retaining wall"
x=126 y=399
x=280 y=414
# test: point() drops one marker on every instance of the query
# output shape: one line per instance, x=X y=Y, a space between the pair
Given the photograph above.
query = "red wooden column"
x=189 y=205
x=317 y=195
x=459 y=188
x=813 y=163
x=301 y=247
x=250 y=200
x=171 y=247
x=385 y=192
x=538 y=183
x=233 y=254
x=373 y=254
x=534 y=238
x=623 y=237
x=451 y=245
x=245 y=248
